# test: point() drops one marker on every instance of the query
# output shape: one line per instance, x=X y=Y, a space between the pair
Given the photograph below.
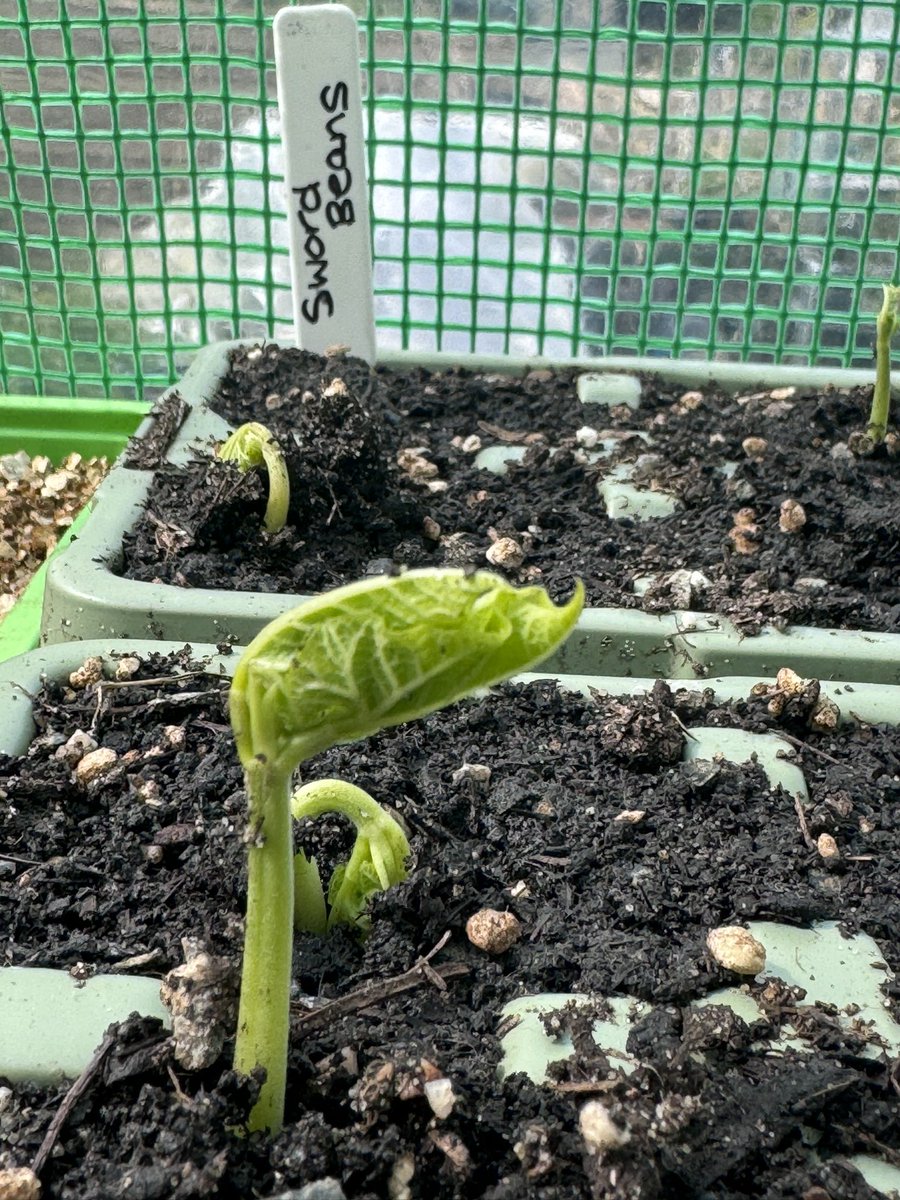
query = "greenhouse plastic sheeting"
x=547 y=176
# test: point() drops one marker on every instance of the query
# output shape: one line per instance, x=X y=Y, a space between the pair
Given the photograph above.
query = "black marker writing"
x=337 y=211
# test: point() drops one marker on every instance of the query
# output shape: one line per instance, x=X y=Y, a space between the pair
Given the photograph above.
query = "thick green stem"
x=264 y=1012
x=279 y=488
x=252 y=446
x=885 y=328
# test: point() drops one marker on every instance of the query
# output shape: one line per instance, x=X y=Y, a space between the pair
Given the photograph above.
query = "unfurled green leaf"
x=384 y=651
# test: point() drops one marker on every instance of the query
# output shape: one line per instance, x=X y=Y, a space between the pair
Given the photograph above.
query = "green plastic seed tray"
x=85 y=598
x=36 y=1044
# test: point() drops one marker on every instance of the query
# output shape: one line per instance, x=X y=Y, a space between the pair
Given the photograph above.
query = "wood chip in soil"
x=38 y=503
x=152 y=853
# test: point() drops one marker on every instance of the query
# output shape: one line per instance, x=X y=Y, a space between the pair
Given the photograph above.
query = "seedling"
x=342 y=667
x=253 y=446
x=885 y=327
x=377 y=862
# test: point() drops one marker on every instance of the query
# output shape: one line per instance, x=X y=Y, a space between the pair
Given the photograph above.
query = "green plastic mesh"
x=547 y=176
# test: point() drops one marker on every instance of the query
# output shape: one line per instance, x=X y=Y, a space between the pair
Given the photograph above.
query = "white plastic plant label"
x=317 y=65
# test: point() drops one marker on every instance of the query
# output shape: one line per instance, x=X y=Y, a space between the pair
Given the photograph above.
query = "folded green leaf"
x=310 y=914
x=251 y=446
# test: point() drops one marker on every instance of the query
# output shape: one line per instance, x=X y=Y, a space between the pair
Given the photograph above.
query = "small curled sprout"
x=253 y=446
x=377 y=862
x=885 y=327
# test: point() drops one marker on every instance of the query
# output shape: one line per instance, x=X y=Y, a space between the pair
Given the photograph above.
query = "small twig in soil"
x=137 y=960
x=684 y=728
x=109 y=685
x=510 y=436
x=179 y=1090
x=81 y=868
x=888 y=1153
x=545 y=860
x=71 y=1098
x=373 y=993
x=430 y=829
x=160 y=681
x=539 y=927
x=211 y=726
x=804 y=828
x=801 y=745
x=580 y=1086
x=834 y=1089
x=172 y=701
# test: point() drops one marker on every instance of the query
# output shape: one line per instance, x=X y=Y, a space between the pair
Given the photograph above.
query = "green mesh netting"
x=557 y=176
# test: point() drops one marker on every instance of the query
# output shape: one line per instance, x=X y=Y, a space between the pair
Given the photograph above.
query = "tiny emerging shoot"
x=885 y=327
x=377 y=862
x=253 y=446
x=342 y=667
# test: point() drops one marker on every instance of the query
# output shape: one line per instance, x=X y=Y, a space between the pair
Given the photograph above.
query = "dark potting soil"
x=152 y=853
x=355 y=511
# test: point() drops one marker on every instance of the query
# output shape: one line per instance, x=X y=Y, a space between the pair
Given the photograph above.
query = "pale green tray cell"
x=739 y=746
x=833 y=969
x=496 y=459
x=623 y=499
x=610 y=389
x=848 y=973
x=620 y=496
x=528 y=1047
x=882 y=1176
x=50 y=1025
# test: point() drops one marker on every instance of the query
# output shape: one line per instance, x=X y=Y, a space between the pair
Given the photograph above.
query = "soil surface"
x=802 y=531
x=38 y=503
x=150 y=853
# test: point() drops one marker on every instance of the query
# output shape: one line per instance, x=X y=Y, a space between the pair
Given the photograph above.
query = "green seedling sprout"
x=885 y=327
x=342 y=667
x=253 y=446
x=377 y=862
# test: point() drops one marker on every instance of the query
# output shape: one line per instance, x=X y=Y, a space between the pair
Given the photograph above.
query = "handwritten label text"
x=326 y=204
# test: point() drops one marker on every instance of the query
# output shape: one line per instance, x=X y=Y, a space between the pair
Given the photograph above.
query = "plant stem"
x=279 y=487
x=264 y=1011
x=885 y=328
x=323 y=796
